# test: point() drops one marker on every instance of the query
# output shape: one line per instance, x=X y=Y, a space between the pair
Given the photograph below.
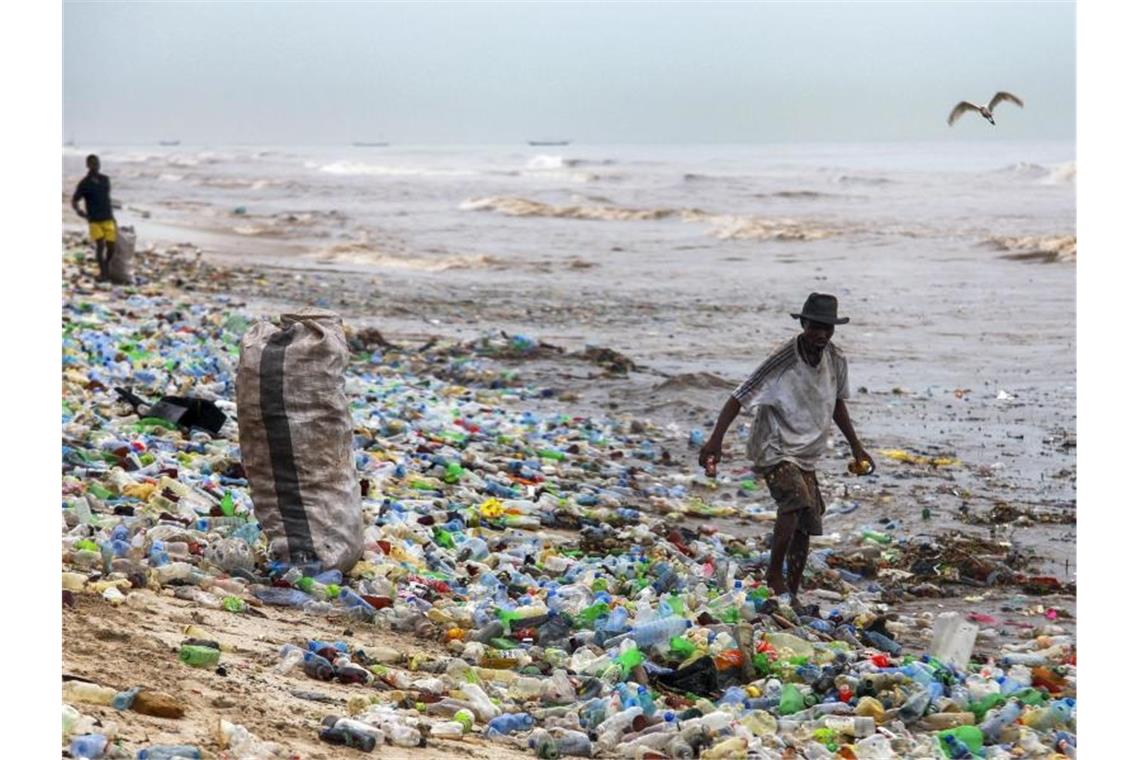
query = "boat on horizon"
x=548 y=142
x=370 y=145
x=170 y=143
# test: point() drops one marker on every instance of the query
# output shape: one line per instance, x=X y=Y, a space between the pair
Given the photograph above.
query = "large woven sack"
x=296 y=439
x=121 y=269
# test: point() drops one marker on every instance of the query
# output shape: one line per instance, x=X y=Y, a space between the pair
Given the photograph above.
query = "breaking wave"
x=745 y=227
x=548 y=162
x=1025 y=169
x=724 y=226
x=1063 y=174
x=354 y=168
x=1046 y=248
x=367 y=255
x=515 y=206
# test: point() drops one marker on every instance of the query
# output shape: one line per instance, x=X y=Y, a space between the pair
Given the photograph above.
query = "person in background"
x=797 y=391
x=95 y=190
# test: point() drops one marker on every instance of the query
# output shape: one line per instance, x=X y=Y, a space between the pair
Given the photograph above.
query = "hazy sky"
x=298 y=72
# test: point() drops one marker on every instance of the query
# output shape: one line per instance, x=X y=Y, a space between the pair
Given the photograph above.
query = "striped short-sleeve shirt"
x=794 y=403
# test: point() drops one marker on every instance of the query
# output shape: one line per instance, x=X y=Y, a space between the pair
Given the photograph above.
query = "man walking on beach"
x=95 y=190
x=797 y=391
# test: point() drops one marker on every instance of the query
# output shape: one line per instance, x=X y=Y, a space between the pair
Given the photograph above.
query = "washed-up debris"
x=540 y=551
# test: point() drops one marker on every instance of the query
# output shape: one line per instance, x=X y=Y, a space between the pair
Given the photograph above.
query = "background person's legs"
x=100 y=260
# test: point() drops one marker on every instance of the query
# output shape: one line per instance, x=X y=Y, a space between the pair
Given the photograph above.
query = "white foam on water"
x=355 y=168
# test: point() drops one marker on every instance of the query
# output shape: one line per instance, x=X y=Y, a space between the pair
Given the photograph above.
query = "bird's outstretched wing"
x=960 y=109
x=1001 y=97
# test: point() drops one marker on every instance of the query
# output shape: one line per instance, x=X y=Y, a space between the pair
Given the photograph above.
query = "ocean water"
x=913 y=237
x=955 y=262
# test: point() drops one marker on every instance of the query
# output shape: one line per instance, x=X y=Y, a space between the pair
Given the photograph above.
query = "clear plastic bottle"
x=480 y=702
x=170 y=752
x=89 y=693
x=450 y=729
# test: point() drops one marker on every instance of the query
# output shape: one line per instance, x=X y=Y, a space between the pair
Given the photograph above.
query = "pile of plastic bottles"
x=541 y=549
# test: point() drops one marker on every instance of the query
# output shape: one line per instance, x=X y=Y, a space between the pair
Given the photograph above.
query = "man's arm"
x=843 y=420
x=75 y=200
x=711 y=451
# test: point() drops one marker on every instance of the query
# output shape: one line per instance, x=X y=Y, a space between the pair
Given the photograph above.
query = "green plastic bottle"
x=227 y=505
x=587 y=616
x=199 y=657
x=971 y=736
x=681 y=647
x=985 y=704
x=876 y=536
x=791 y=700
x=552 y=454
x=233 y=604
x=628 y=660
x=454 y=473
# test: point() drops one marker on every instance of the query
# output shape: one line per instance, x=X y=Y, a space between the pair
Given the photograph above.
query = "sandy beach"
x=961 y=348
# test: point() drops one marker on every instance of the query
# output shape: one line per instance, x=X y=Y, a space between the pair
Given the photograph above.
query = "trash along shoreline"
x=539 y=577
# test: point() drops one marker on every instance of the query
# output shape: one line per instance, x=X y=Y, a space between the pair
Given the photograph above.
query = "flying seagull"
x=987 y=111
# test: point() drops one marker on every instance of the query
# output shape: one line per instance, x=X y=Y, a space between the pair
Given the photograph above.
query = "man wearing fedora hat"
x=797 y=392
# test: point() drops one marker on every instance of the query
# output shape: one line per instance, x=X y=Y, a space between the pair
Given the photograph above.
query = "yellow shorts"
x=102 y=230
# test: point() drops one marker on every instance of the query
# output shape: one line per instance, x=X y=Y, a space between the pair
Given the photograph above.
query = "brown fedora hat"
x=821 y=307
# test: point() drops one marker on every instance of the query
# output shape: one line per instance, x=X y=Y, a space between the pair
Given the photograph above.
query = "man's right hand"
x=81 y=213
x=710 y=456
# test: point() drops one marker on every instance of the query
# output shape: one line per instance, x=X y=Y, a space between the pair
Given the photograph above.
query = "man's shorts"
x=102 y=230
x=796 y=490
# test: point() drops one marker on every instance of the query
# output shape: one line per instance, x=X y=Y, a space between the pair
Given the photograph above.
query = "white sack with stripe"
x=296 y=439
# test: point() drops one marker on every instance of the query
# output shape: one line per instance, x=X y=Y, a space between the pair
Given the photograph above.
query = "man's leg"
x=797 y=560
x=107 y=260
x=781 y=541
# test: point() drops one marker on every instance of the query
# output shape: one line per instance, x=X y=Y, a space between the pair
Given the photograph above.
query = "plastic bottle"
x=282 y=597
x=318 y=667
x=791 y=700
x=449 y=729
x=859 y=727
x=969 y=736
x=403 y=735
x=290 y=656
x=1056 y=715
x=729 y=748
x=88 y=746
x=991 y=727
x=348 y=736
x=509 y=723
x=879 y=641
x=915 y=706
x=657 y=631
x=198 y=656
x=170 y=752
x=619 y=721
x=480 y=702
x=89 y=693
x=876 y=747
x=124 y=699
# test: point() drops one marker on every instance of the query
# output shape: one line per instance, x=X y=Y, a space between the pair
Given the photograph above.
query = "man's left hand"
x=860 y=454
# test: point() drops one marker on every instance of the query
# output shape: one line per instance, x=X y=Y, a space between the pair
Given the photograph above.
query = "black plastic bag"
x=185 y=411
